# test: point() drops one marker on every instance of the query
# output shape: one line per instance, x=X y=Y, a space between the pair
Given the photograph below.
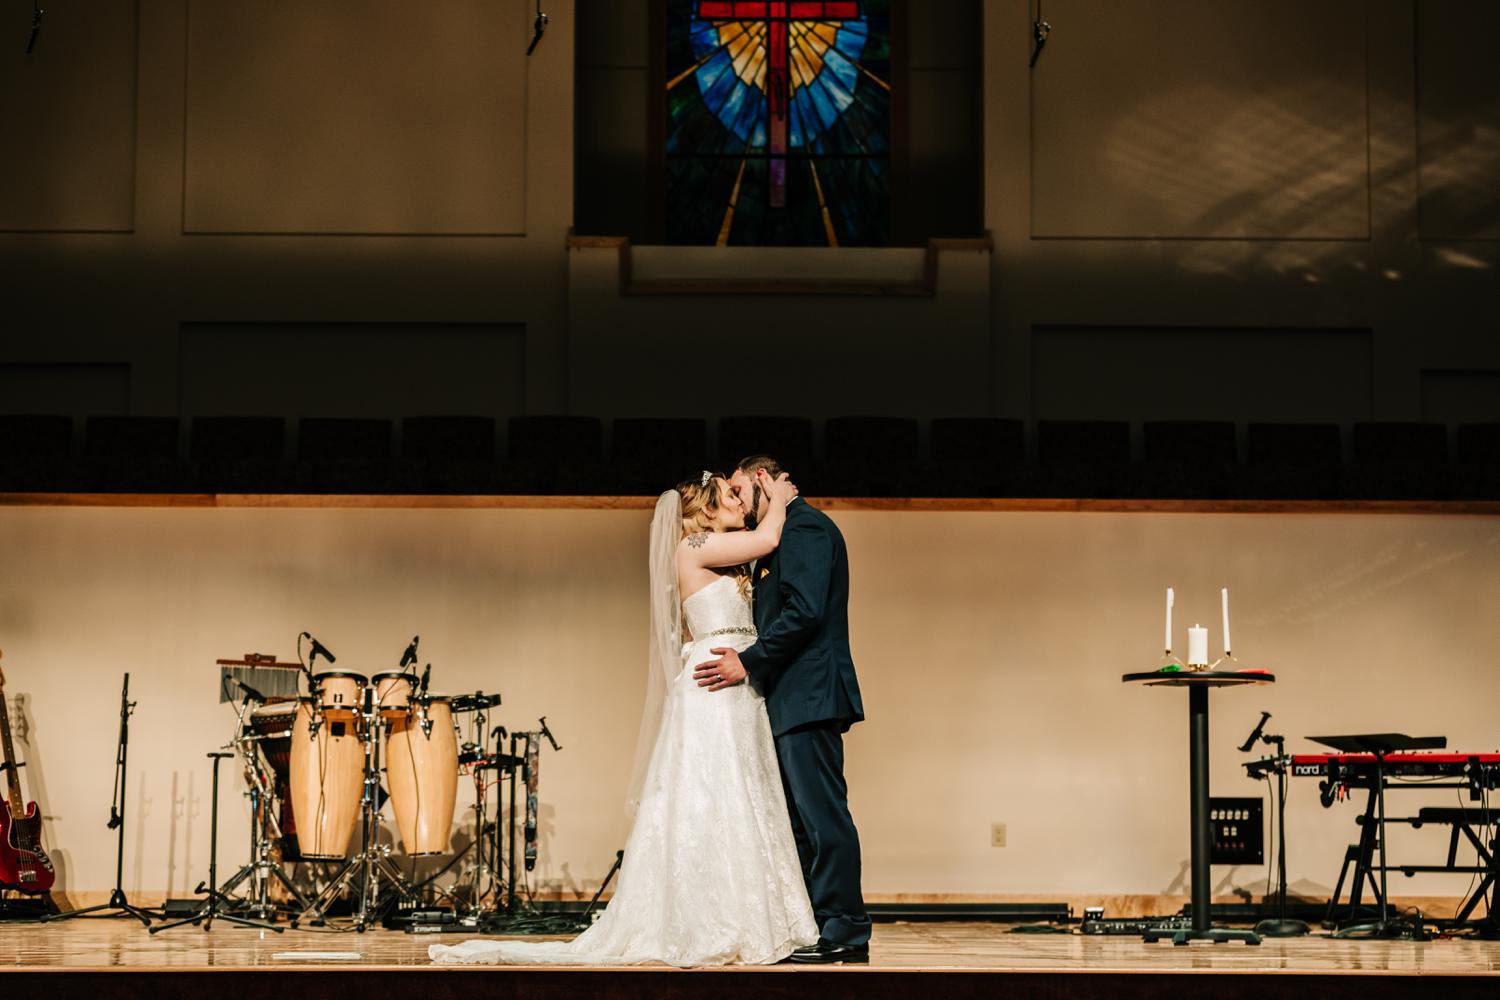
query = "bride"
x=711 y=874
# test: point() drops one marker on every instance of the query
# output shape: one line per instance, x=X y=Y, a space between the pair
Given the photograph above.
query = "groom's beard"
x=751 y=518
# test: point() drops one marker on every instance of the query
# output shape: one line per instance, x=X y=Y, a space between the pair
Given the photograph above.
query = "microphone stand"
x=117 y=901
x=1281 y=925
x=216 y=904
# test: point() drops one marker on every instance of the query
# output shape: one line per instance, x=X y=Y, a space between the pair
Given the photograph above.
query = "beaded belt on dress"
x=733 y=630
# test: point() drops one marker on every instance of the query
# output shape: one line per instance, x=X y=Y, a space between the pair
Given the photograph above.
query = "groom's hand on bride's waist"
x=726 y=671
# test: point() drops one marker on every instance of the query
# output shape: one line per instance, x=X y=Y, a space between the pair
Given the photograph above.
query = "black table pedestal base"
x=1182 y=935
x=1282 y=928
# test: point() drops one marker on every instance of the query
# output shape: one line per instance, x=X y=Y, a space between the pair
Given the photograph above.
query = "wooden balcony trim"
x=369 y=501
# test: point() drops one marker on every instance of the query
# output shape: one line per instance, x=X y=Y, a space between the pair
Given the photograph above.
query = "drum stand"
x=481 y=868
x=261 y=868
x=373 y=862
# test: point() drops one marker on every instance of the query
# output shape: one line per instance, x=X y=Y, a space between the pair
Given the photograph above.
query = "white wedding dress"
x=711 y=875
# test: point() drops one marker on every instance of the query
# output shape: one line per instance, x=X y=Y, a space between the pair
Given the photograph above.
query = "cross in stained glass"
x=778 y=17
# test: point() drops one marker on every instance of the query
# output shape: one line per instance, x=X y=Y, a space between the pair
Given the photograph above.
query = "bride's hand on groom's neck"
x=780 y=490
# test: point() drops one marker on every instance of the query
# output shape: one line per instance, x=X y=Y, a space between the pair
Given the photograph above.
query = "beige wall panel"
x=390 y=370
x=1177 y=118
x=1086 y=373
x=1461 y=396
x=989 y=647
x=1458 y=119
x=368 y=117
x=69 y=118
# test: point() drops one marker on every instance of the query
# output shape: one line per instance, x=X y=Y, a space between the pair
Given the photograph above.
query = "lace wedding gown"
x=711 y=875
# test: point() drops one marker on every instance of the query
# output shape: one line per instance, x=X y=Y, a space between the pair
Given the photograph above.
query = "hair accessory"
x=706 y=478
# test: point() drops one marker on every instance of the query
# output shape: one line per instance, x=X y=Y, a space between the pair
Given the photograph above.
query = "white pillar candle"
x=1227 y=647
x=1168 y=646
x=1197 y=646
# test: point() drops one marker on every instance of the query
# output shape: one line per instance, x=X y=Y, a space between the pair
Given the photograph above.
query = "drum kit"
x=314 y=764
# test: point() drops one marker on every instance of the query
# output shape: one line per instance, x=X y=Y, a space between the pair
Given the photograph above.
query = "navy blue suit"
x=802 y=664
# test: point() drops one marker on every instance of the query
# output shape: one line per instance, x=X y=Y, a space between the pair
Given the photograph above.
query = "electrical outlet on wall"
x=997 y=834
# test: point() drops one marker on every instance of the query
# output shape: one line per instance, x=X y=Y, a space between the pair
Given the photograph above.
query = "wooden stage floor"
x=115 y=957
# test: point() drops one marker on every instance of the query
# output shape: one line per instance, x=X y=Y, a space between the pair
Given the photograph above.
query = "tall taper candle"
x=1227 y=647
x=1168 y=645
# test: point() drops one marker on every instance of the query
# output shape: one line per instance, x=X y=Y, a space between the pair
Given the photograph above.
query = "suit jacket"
x=801 y=660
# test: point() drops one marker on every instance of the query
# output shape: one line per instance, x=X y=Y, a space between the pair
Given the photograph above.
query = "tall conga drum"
x=392 y=692
x=327 y=779
x=421 y=770
x=340 y=693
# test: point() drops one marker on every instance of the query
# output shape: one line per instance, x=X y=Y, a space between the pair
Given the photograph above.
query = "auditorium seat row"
x=859 y=456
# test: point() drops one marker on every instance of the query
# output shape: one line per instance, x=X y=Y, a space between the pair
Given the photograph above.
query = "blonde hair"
x=700 y=502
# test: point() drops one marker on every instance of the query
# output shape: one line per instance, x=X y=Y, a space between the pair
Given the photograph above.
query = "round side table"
x=1198 y=683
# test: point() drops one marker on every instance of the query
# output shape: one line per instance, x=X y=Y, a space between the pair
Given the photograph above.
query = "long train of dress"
x=711 y=874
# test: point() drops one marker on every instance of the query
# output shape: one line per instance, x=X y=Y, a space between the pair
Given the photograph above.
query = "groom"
x=801 y=662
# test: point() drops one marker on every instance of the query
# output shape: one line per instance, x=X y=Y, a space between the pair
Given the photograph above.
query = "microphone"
x=318 y=649
x=423 y=701
x=410 y=656
x=1255 y=733
x=1039 y=32
x=36 y=25
x=538 y=28
x=548 y=733
x=250 y=692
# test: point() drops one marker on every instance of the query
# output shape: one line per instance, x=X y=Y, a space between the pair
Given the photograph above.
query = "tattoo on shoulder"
x=697 y=539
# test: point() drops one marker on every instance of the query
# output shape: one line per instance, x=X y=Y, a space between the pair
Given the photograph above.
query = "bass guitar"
x=24 y=866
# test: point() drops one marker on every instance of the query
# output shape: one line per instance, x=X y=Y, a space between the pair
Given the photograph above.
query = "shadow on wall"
x=1301 y=198
x=184 y=812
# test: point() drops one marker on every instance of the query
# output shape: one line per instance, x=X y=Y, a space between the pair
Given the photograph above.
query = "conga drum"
x=272 y=725
x=392 y=692
x=421 y=770
x=327 y=779
x=340 y=693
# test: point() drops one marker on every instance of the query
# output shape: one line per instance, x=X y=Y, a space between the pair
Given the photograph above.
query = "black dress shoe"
x=825 y=952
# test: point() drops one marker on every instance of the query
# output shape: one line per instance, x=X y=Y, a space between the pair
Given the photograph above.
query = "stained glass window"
x=778 y=123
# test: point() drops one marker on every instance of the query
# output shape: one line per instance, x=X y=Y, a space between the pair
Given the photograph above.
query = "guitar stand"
x=117 y=901
x=213 y=905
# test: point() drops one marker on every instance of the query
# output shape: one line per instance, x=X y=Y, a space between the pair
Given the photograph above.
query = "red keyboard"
x=1441 y=763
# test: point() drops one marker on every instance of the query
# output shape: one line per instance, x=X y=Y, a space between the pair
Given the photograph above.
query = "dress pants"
x=817 y=797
